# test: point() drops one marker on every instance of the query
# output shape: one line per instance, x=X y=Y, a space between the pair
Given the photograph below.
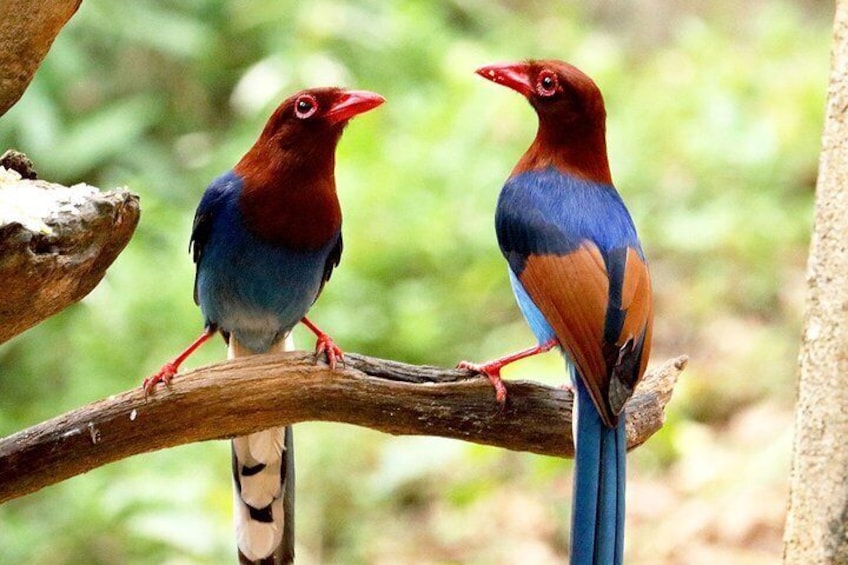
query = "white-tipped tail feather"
x=263 y=482
x=257 y=492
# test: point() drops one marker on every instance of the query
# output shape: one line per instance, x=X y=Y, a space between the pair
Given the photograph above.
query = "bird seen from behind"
x=581 y=280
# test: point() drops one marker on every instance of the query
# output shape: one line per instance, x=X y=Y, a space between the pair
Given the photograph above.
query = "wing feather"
x=204 y=218
x=574 y=292
x=333 y=260
x=573 y=246
x=571 y=291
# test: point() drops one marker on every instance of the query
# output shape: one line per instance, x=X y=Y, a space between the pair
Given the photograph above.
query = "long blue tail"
x=597 y=520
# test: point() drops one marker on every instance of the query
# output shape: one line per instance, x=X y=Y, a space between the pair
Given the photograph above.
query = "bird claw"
x=493 y=373
x=568 y=387
x=325 y=345
x=164 y=375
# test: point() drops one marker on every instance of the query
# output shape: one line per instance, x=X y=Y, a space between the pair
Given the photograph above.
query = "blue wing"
x=201 y=229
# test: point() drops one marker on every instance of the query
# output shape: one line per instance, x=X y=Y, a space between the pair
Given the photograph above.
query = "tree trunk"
x=817 y=524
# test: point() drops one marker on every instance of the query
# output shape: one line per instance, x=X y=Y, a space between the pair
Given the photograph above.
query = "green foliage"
x=714 y=125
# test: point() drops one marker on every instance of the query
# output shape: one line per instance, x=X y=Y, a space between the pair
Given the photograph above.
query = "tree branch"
x=246 y=395
x=27 y=30
x=56 y=243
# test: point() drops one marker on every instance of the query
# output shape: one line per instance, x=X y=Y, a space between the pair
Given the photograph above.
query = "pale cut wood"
x=258 y=392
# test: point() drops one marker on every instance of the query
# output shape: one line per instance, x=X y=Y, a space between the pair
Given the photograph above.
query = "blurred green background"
x=715 y=114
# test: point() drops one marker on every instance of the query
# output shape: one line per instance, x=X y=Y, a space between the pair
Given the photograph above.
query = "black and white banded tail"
x=263 y=489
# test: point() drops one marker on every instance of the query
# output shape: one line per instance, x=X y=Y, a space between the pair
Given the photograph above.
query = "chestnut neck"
x=580 y=151
x=289 y=192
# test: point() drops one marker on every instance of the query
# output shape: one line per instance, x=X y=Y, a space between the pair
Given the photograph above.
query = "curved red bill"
x=352 y=103
x=512 y=75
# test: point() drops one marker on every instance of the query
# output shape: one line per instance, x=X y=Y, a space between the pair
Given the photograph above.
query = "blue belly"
x=251 y=289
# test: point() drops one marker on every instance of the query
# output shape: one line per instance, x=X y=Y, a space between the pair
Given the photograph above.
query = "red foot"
x=168 y=370
x=165 y=374
x=325 y=344
x=492 y=369
x=569 y=387
x=493 y=373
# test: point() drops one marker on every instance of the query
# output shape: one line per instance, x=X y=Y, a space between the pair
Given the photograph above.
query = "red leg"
x=492 y=369
x=168 y=370
x=325 y=344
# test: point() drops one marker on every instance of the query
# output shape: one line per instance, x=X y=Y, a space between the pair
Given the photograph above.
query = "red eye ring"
x=305 y=106
x=547 y=83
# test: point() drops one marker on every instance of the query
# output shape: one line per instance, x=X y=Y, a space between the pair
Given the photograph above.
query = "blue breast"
x=245 y=286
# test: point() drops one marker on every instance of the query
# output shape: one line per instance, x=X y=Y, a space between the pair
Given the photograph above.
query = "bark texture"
x=56 y=243
x=258 y=392
x=27 y=30
x=817 y=523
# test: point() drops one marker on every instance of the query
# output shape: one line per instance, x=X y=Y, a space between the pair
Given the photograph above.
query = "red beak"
x=513 y=75
x=352 y=103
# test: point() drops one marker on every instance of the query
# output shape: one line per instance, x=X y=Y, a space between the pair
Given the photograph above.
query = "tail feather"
x=597 y=527
x=258 y=466
x=263 y=499
x=263 y=492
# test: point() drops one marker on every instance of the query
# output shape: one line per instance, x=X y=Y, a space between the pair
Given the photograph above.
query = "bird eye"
x=305 y=106
x=547 y=84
